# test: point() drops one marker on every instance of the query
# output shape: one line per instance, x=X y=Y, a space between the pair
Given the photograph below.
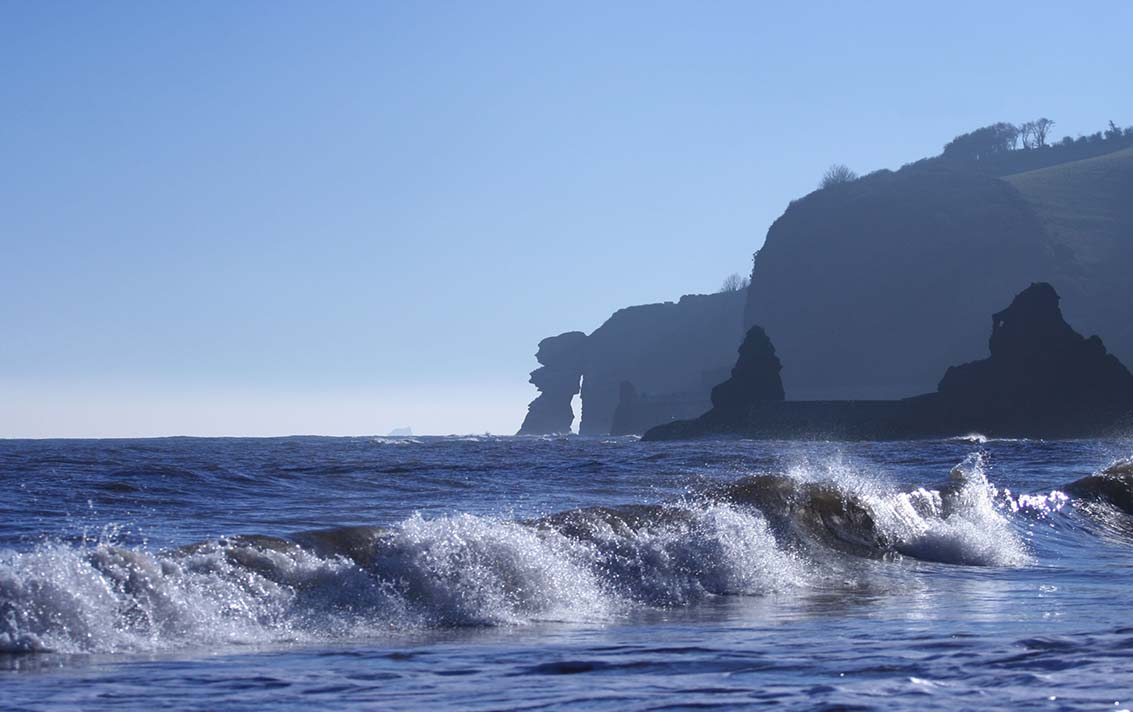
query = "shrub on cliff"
x=837 y=174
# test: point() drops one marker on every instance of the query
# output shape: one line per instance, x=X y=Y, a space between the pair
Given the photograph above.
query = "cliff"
x=870 y=289
x=904 y=265
x=1041 y=380
x=1086 y=212
x=663 y=358
x=670 y=349
x=563 y=357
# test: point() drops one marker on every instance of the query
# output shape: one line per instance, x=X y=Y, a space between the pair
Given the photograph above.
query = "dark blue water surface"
x=433 y=573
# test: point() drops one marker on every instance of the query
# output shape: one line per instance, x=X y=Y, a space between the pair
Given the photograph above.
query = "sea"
x=527 y=573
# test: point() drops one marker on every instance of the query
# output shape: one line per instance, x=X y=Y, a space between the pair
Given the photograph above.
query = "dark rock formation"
x=1114 y=485
x=563 y=357
x=872 y=288
x=675 y=352
x=627 y=410
x=755 y=377
x=638 y=412
x=904 y=266
x=668 y=356
x=1086 y=211
x=1042 y=380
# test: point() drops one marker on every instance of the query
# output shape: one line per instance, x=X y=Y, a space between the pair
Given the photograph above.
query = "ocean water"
x=545 y=573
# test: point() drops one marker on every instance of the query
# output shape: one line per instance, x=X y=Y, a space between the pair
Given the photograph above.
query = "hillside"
x=1086 y=210
x=870 y=289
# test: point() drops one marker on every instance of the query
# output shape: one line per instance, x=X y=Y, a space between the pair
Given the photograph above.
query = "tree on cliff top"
x=836 y=174
x=1039 y=129
x=734 y=283
x=987 y=141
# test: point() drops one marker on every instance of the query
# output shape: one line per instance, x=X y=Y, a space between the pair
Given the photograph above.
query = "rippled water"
x=489 y=573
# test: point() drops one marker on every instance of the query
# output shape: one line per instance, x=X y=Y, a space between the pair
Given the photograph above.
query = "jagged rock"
x=872 y=288
x=905 y=266
x=1042 y=380
x=673 y=351
x=672 y=354
x=755 y=377
x=1040 y=373
x=563 y=358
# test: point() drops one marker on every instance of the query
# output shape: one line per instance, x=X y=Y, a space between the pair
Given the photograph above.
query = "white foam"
x=963 y=526
x=457 y=570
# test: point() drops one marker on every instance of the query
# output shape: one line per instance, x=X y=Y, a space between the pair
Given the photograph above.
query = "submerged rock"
x=1114 y=485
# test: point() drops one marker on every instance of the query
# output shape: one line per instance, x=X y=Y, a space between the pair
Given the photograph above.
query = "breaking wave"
x=757 y=535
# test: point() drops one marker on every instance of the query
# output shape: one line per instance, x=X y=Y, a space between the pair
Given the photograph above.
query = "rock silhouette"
x=638 y=412
x=903 y=267
x=755 y=377
x=672 y=353
x=906 y=265
x=645 y=365
x=1041 y=373
x=563 y=357
x=1041 y=380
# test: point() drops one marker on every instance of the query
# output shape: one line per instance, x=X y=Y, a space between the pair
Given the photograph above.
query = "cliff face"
x=1042 y=379
x=563 y=357
x=663 y=358
x=1086 y=210
x=670 y=350
x=871 y=289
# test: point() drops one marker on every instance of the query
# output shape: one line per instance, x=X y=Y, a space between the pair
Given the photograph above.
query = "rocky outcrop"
x=1041 y=380
x=563 y=358
x=645 y=365
x=674 y=352
x=904 y=266
x=1087 y=215
x=638 y=412
x=753 y=386
x=755 y=377
x=872 y=288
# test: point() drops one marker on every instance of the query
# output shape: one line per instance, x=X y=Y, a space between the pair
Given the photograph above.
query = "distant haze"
x=267 y=218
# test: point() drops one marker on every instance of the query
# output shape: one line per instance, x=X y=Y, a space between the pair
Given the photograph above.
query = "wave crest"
x=756 y=535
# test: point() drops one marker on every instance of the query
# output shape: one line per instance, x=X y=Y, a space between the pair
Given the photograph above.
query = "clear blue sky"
x=340 y=218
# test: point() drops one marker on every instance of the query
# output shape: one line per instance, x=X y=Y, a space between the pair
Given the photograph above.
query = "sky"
x=272 y=218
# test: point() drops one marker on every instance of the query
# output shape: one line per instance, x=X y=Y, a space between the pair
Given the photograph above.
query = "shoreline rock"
x=1042 y=379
